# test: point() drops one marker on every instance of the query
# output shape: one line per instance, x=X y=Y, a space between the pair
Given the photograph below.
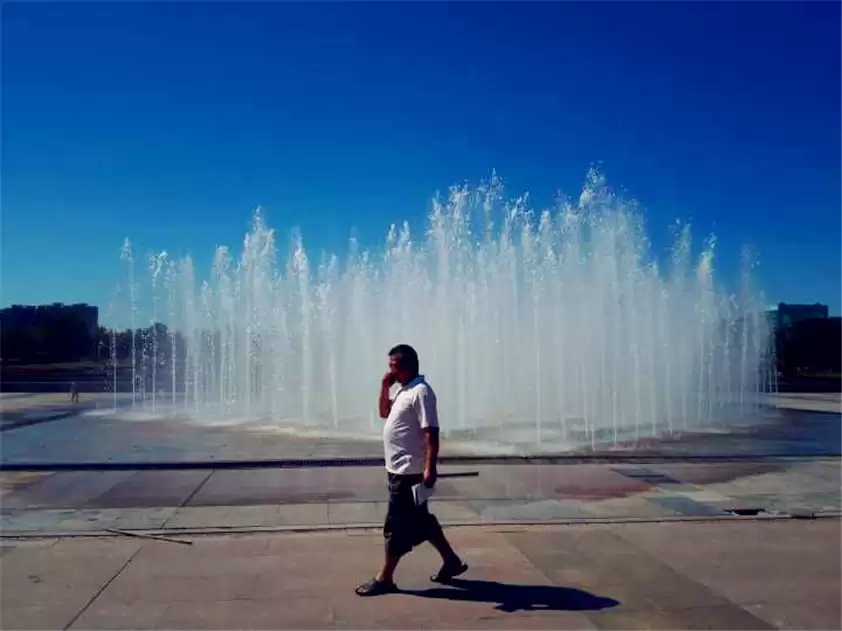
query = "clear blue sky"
x=169 y=123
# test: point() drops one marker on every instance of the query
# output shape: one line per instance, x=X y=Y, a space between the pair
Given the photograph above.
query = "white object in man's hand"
x=421 y=493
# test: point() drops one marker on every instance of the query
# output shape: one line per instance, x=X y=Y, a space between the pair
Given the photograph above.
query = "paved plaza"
x=283 y=498
x=740 y=574
x=261 y=530
x=88 y=472
x=45 y=431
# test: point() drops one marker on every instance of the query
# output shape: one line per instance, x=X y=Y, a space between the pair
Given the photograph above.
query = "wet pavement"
x=689 y=562
x=92 y=470
x=747 y=574
x=45 y=432
x=91 y=501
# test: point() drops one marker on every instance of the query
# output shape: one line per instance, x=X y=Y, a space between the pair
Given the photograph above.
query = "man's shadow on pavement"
x=511 y=598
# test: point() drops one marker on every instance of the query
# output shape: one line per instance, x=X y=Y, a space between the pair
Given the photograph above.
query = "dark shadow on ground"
x=511 y=598
x=10 y=419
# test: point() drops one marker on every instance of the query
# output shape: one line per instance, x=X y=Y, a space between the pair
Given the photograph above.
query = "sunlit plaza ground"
x=265 y=529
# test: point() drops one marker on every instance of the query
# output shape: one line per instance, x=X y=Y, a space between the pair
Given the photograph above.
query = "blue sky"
x=169 y=123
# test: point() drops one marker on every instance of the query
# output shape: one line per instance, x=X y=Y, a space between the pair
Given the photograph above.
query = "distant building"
x=806 y=339
x=788 y=315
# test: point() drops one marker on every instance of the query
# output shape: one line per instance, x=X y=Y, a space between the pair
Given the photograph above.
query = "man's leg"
x=443 y=547
x=387 y=572
x=452 y=565
x=397 y=538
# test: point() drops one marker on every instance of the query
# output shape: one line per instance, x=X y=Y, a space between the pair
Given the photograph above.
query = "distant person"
x=411 y=443
x=74 y=392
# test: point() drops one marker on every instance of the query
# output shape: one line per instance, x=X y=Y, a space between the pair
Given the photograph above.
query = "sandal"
x=447 y=573
x=376 y=588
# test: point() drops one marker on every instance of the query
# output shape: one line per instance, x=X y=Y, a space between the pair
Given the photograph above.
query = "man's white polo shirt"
x=413 y=410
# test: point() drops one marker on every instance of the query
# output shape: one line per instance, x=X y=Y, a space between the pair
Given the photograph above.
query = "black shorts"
x=407 y=525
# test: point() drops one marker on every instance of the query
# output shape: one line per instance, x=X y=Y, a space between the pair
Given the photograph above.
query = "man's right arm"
x=385 y=402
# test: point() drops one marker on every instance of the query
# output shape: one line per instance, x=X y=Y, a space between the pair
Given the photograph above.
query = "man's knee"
x=434 y=529
x=397 y=546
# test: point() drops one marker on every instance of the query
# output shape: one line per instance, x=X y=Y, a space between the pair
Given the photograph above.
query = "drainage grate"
x=746 y=512
x=646 y=475
x=802 y=513
x=685 y=506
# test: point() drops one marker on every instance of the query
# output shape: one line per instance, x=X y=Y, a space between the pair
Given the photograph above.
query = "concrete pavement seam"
x=256 y=530
x=544 y=459
x=189 y=497
x=103 y=588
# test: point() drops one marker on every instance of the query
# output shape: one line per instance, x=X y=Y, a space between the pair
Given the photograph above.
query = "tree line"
x=67 y=339
x=806 y=346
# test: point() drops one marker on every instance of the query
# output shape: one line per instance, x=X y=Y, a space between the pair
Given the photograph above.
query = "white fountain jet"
x=539 y=330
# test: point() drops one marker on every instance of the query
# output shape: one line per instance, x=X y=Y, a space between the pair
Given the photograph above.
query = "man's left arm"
x=429 y=420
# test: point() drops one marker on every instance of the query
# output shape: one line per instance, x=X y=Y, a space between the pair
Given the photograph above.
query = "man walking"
x=411 y=443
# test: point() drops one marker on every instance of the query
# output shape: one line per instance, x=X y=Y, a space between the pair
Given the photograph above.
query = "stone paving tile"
x=647 y=475
x=340 y=513
x=302 y=613
x=302 y=514
x=45 y=587
x=632 y=506
x=121 y=518
x=292 y=486
x=597 y=560
x=527 y=620
x=528 y=482
x=136 y=586
x=362 y=484
x=450 y=511
x=785 y=503
x=45 y=616
x=827 y=470
x=249 y=516
x=809 y=614
x=811 y=402
x=32 y=520
x=782 y=482
x=524 y=510
x=14 y=481
x=725 y=617
x=191 y=575
x=492 y=481
x=28 y=545
x=67 y=489
x=203 y=559
x=29 y=567
x=329 y=484
x=223 y=516
x=596 y=482
x=706 y=473
x=682 y=505
x=239 y=487
x=70 y=520
x=121 y=616
x=151 y=488
x=701 y=496
x=210 y=549
x=802 y=571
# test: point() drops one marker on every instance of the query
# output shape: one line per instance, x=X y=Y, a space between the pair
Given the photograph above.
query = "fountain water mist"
x=126 y=255
x=549 y=332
